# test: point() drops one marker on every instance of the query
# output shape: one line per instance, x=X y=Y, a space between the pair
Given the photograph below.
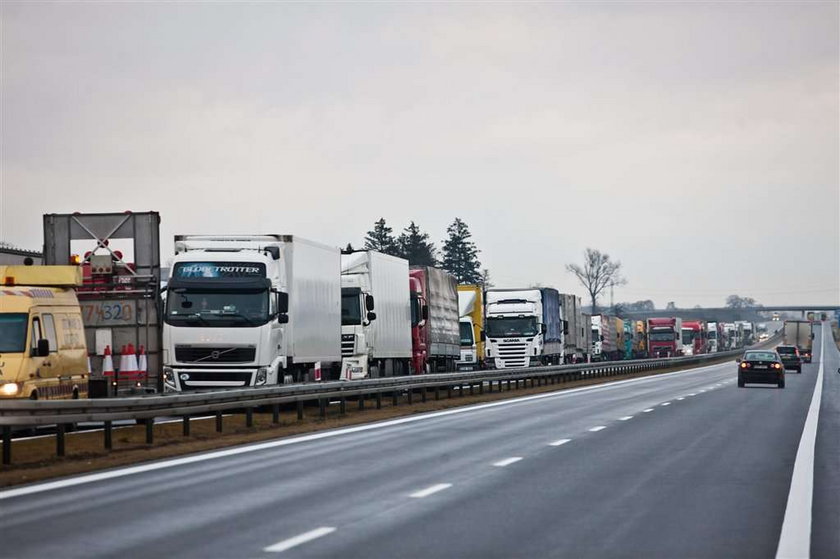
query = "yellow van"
x=42 y=338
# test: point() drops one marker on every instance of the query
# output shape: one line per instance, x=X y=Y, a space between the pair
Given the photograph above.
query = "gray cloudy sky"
x=695 y=142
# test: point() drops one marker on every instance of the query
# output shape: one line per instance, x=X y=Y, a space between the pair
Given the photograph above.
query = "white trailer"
x=251 y=310
x=375 y=315
x=575 y=346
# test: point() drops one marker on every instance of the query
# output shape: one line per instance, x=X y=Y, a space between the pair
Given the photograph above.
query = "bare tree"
x=597 y=273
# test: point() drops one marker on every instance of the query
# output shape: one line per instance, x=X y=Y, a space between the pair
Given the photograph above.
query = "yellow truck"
x=471 y=324
x=42 y=339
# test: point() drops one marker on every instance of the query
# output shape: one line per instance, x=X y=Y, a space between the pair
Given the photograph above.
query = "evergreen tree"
x=485 y=279
x=460 y=255
x=381 y=239
x=415 y=247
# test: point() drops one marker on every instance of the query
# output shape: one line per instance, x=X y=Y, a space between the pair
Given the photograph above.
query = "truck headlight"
x=169 y=376
x=262 y=375
x=9 y=389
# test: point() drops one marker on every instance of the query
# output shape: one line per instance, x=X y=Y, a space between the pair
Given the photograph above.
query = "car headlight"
x=9 y=389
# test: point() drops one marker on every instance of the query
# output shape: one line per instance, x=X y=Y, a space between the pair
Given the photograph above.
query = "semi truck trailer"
x=251 y=310
x=800 y=334
x=435 y=341
x=524 y=327
x=575 y=349
x=375 y=315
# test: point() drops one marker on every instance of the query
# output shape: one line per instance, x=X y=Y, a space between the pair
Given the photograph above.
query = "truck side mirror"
x=282 y=303
x=483 y=336
x=43 y=347
x=283 y=318
x=425 y=312
x=601 y=337
x=543 y=328
x=371 y=316
x=566 y=327
x=369 y=303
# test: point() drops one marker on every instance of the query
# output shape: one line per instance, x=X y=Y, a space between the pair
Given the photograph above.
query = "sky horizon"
x=698 y=144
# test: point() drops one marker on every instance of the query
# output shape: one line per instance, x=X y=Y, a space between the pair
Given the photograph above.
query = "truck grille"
x=512 y=355
x=348 y=342
x=189 y=354
x=198 y=380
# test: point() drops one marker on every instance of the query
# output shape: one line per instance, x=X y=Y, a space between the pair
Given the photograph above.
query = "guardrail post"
x=275 y=413
x=185 y=423
x=379 y=400
x=410 y=396
x=342 y=406
x=322 y=407
x=249 y=417
x=471 y=389
x=150 y=430
x=437 y=392
x=394 y=398
x=7 y=445
x=449 y=391
x=300 y=409
x=59 y=439
x=107 y=432
x=423 y=394
x=461 y=391
x=481 y=388
x=362 y=401
x=218 y=422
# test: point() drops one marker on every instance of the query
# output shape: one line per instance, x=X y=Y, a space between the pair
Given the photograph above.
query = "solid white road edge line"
x=795 y=539
x=598 y=428
x=430 y=490
x=560 y=442
x=507 y=461
x=297 y=540
x=153 y=466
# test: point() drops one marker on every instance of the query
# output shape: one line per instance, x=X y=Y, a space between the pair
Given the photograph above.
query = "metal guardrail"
x=64 y=413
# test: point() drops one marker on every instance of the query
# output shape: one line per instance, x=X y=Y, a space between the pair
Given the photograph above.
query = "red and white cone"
x=107 y=362
x=142 y=362
x=130 y=362
x=318 y=371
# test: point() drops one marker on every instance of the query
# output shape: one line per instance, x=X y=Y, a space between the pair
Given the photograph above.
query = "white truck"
x=575 y=349
x=524 y=327
x=251 y=310
x=712 y=338
x=375 y=315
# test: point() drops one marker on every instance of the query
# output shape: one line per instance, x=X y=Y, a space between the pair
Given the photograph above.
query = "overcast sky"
x=697 y=143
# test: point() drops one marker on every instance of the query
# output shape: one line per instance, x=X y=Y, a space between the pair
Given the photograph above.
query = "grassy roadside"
x=35 y=460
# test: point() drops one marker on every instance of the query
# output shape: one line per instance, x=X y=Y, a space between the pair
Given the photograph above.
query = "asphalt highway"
x=678 y=465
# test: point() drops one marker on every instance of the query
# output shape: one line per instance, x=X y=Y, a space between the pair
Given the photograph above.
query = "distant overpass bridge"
x=728 y=314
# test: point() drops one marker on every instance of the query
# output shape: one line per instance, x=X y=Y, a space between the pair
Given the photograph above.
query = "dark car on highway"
x=790 y=357
x=764 y=367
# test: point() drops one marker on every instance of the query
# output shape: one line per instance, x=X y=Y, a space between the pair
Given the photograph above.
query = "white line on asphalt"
x=692 y=394
x=598 y=428
x=680 y=399
x=665 y=404
x=237 y=450
x=430 y=490
x=507 y=461
x=279 y=547
x=560 y=442
x=625 y=418
x=648 y=410
x=795 y=540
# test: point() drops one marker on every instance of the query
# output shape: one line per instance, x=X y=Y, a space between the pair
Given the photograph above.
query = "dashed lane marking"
x=598 y=428
x=560 y=442
x=430 y=490
x=647 y=410
x=625 y=418
x=280 y=547
x=507 y=461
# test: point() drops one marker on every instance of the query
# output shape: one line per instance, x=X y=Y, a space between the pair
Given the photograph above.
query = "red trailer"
x=694 y=337
x=435 y=334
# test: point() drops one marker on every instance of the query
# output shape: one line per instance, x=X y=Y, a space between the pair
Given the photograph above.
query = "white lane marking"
x=795 y=540
x=692 y=394
x=235 y=451
x=647 y=410
x=559 y=443
x=280 y=547
x=598 y=428
x=430 y=490
x=625 y=418
x=680 y=399
x=507 y=461
x=665 y=404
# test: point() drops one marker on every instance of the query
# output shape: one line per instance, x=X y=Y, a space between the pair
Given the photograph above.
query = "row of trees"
x=459 y=255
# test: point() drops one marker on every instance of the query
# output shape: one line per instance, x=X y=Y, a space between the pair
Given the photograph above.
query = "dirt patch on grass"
x=36 y=460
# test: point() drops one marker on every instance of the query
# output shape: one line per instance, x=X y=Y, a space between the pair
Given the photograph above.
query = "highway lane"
x=683 y=464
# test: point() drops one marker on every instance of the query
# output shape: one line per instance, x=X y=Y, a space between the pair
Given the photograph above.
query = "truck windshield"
x=217 y=308
x=712 y=335
x=661 y=335
x=466 y=334
x=688 y=336
x=13 y=332
x=351 y=306
x=511 y=326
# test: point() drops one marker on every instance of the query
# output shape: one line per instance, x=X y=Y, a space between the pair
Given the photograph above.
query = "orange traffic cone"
x=107 y=362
